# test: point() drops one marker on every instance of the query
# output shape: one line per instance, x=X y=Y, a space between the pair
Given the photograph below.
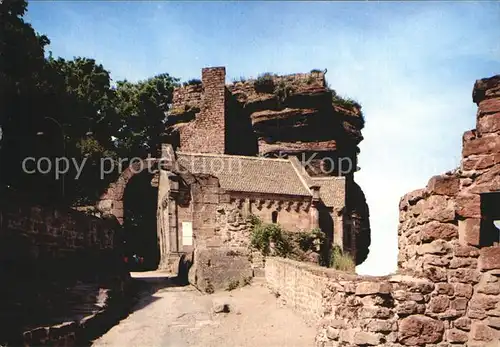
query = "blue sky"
x=411 y=65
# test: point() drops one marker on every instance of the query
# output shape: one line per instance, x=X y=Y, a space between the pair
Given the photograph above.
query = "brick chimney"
x=207 y=133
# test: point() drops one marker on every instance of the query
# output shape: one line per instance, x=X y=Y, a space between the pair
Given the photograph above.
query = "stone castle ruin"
x=237 y=150
x=446 y=291
x=447 y=288
x=277 y=147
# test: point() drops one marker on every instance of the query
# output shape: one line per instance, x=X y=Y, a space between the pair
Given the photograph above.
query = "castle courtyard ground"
x=168 y=315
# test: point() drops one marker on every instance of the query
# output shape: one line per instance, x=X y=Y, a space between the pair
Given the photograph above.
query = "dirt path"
x=182 y=316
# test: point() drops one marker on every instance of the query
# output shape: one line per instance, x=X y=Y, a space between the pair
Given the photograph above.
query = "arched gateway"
x=167 y=175
x=198 y=194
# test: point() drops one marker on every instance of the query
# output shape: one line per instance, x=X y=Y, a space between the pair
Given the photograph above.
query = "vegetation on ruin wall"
x=341 y=261
x=265 y=83
x=272 y=239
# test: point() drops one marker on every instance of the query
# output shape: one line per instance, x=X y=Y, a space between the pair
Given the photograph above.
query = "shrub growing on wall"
x=273 y=239
x=264 y=83
x=270 y=237
x=341 y=261
x=283 y=90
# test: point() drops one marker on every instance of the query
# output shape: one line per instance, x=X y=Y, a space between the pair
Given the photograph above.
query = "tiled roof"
x=247 y=174
x=331 y=191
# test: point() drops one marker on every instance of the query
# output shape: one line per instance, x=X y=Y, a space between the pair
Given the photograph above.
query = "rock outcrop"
x=278 y=116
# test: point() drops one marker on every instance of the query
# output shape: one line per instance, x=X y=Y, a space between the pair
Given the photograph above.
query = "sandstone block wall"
x=220 y=227
x=187 y=97
x=441 y=236
x=58 y=241
x=44 y=251
x=111 y=201
x=396 y=310
x=300 y=285
x=206 y=199
x=293 y=212
x=447 y=292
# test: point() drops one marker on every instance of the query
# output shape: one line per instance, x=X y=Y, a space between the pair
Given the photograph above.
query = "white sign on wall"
x=187 y=233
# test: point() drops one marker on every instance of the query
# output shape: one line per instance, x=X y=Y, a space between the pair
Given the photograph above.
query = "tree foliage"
x=273 y=239
x=53 y=107
x=142 y=108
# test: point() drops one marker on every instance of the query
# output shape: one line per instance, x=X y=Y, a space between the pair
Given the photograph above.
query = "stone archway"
x=111 y=202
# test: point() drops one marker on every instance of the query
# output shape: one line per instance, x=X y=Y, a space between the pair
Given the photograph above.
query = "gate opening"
x=140 y=228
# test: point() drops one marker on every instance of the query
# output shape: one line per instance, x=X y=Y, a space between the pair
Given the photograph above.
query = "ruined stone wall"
x=220 y=218
x=396 y=310
x=51 y=239
x=440 y=230
x=234 y=228
x=293 y=213
x=447 y=292
x=45 y=250
x=295 y=116
x=196 y=205
x=222 y=268
x=207 y=197
x=222 y=232
x=187 y=97
x=205 y=134
x=111 y=201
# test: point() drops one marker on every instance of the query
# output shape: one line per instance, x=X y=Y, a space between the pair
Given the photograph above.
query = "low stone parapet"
x=395 y=310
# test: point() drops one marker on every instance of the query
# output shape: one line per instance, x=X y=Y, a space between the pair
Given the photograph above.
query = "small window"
x=490 y=219
x=275 y=216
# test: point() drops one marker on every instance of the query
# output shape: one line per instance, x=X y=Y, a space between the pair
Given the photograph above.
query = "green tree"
x=83 y=103
x=54 y=107
x=21 y=69
x=142 y=108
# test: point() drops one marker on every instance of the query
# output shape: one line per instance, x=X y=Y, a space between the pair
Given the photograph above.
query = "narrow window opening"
x=275 y=216
x=490 y=219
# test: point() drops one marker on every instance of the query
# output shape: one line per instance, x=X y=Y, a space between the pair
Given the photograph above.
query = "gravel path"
x=181 y=317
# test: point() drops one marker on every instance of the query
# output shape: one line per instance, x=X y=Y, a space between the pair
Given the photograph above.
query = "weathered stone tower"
x=206 y=134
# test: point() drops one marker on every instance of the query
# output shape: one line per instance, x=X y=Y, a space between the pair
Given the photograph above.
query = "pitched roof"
x=247 y=174
x=331 y=191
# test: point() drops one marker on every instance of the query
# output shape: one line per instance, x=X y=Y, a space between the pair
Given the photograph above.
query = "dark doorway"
x=141 y=241
x=490 y=212
x=326 y=226
x=274 y=217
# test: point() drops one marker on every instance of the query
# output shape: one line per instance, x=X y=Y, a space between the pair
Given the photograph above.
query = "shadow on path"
x=140 y=294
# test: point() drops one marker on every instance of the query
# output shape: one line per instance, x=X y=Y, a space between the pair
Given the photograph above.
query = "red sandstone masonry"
x=473 y=309
x=450 y=295
x=355 y=310
x=204 y=135
x=65 y=244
